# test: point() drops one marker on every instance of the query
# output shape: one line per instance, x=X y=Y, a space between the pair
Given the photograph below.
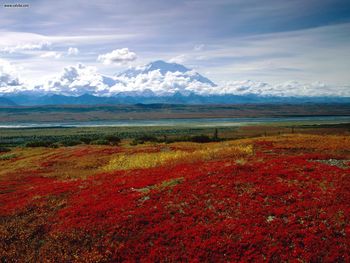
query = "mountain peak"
x=165 y=67
x=160 y=65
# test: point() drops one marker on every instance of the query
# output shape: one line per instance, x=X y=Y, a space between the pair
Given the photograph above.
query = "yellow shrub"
x=147 y=160
x=142 y=160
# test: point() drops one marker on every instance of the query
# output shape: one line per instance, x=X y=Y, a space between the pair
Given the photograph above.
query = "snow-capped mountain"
x=165 y=68
x=160 y=78
x=160 y=65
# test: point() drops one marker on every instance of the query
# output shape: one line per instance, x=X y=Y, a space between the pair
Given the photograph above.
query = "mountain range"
x=160 y=82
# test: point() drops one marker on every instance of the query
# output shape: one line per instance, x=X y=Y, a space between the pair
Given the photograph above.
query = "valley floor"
x=283 y=198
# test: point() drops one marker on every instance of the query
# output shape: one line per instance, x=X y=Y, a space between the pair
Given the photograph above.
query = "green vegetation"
x=57 y=137
x=55 y=142
x=8 y=156
x=39 y=143
x=201 y=138
x=54 y=137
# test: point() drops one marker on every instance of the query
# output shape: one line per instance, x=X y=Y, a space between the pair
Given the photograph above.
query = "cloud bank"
x=284 y=89
x=155 y=79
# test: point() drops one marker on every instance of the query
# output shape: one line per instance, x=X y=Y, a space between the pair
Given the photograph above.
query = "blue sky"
x=226 y=40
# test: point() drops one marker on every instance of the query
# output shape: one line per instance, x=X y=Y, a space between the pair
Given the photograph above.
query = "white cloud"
x=179 y=59
x=8 y=74
x=78 y=80
x=9 y=79
x=51 y=54
x=156 y=83
x=24 y=47
x=117 y=56
x=283 y=89
x=72 y=51
x=81 y=79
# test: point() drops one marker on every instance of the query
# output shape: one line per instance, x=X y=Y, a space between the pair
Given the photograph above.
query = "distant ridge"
x=6 y=102
x=177 y=98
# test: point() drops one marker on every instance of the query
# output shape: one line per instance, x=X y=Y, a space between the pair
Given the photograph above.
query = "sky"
x=272 y=41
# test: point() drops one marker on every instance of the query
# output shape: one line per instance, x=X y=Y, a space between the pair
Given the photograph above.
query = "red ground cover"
x=275 y=207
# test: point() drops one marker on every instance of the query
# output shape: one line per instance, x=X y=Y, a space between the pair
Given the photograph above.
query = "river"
x=202 y=122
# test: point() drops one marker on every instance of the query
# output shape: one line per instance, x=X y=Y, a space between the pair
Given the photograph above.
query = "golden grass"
x=60 y=163
x=27 y=158
x=203 y=153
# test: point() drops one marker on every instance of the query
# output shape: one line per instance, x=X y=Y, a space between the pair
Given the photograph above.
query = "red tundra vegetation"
x=273 y=199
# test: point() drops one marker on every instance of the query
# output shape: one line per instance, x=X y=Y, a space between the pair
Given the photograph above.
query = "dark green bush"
x=54 y=145
x=100 y=142
x=136 y=142
x=144 y=138
x=148 y=138
x=201 y=139
x=69 y=142
x=39 y=144
x=86 y=140
x=112 y=139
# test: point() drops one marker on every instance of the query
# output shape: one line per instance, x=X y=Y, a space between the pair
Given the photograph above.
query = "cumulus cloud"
x=81 y=79
x=9 y=79
x=51 y=54
x=72 y=51
x=117 y=56
x=8 y=74
x=27 y=46
x=153 y=83
x=78 y=80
